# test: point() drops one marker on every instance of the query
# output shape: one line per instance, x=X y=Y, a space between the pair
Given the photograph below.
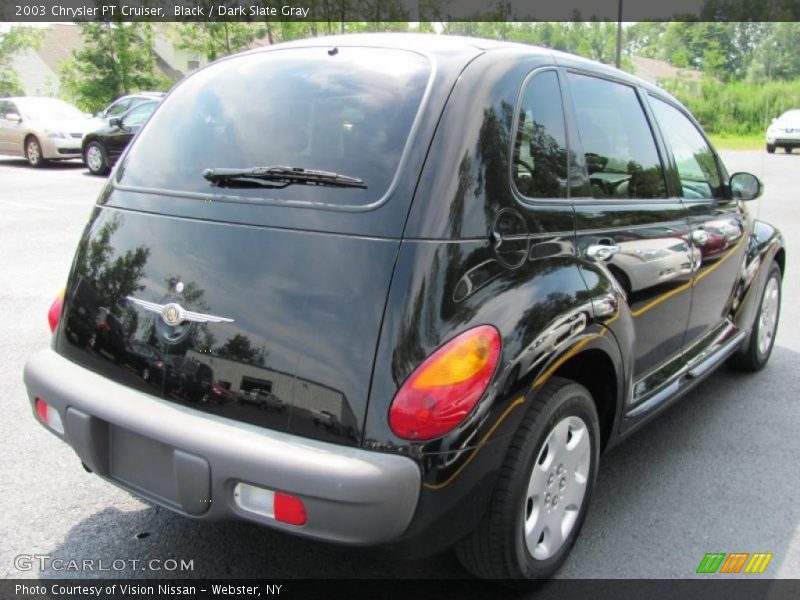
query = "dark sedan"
x=103 y=147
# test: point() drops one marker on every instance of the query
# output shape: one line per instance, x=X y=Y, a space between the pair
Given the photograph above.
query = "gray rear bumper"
x=190 y=461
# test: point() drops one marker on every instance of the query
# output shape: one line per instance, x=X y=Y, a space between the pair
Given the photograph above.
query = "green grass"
x=725 y=141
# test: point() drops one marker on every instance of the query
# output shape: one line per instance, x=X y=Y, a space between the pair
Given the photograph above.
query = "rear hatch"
x=257 y=297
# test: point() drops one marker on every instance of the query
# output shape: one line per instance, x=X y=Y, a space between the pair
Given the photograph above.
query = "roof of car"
x=436 y=43
x=426 y=42
x=433 y=44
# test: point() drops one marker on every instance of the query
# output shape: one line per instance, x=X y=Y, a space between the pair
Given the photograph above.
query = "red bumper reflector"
x=289 y=509
x=49 y=416
x=41 y=410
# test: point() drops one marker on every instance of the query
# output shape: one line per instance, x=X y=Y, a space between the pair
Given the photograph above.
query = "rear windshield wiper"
x=263 y=176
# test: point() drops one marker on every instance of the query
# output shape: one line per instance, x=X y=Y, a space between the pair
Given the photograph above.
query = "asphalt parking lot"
x=718 y=472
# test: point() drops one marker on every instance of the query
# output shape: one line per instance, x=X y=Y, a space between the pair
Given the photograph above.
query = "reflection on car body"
x=649 y=262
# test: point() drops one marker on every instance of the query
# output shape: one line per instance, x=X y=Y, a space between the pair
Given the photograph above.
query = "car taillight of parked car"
x=441 y=393
x=54 y=314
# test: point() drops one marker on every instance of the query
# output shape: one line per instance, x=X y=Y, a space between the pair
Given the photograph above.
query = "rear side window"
x=540 y=148
x=348 y=111
x=697 y=167
x=621 y=154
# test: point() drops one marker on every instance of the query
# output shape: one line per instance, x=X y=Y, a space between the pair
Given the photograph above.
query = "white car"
x=42 y=129
x=649 y=262
x=784 y=132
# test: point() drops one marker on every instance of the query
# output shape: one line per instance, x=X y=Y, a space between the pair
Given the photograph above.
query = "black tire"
x=497 y=548
x=771 y=148
x=788 y=149
x=750 y=356
x=98 y=162
x=33 y=152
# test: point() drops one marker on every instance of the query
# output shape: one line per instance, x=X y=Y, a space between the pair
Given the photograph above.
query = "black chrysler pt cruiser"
x=402 y=291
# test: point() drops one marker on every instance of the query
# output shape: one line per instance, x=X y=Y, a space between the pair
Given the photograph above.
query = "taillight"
x=444 y=389
x=54 y=314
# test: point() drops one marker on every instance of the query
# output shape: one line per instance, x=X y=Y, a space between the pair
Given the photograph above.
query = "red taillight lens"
x=289 y=509
x=444 y=389
x=54 y=314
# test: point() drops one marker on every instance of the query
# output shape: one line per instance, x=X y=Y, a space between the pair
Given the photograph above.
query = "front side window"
x=139 y=115
x=697 y=167
x=348 y=111
x=620 y=152
x=540 y=148
x=119 y=108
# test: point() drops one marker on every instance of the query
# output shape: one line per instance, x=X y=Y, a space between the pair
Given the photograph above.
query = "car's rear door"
x=719 y=225
x=629 y=225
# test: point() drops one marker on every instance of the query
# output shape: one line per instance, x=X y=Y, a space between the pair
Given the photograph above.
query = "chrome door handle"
x=601 y=252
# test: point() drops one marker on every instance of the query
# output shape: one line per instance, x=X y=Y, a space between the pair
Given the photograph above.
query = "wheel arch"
x=596 y=370
x=780 y=258
x=28 y=135
x=85 y=143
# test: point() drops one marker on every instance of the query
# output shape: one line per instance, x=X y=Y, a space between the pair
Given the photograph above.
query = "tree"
x=118 y=58
x=112 y=275
x=240 y=348
x=776 y=55
x=12 y=42
x=215 y=39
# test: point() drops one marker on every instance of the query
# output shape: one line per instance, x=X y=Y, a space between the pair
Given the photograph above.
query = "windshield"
x=48 y=109
x=343 y=110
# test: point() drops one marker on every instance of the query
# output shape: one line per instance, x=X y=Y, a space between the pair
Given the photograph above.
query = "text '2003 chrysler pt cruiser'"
x=402 y=291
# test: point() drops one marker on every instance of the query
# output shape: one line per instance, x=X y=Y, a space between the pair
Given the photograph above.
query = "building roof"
x=653 y=70
x=58 y=42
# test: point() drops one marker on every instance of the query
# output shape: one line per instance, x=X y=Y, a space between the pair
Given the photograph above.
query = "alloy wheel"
x=557 y=487
x=768 y=316
x=94 y=158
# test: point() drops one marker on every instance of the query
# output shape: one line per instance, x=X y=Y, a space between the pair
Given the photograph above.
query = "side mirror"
x=115 y=122
x=745 y=186
x=13 y=117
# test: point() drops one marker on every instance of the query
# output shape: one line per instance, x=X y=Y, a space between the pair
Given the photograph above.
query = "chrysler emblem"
x=174 y=314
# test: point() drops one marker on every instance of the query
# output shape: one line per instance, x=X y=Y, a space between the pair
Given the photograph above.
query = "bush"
x=736 y=108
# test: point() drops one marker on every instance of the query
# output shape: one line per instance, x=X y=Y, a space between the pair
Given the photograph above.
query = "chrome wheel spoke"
x=537 y=482
x=574 y=493
x=554 y=536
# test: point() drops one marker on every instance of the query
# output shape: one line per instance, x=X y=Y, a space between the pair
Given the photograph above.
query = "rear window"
x=345 y=110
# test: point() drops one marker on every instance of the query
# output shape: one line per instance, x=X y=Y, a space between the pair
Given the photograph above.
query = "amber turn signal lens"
x=444 y=389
